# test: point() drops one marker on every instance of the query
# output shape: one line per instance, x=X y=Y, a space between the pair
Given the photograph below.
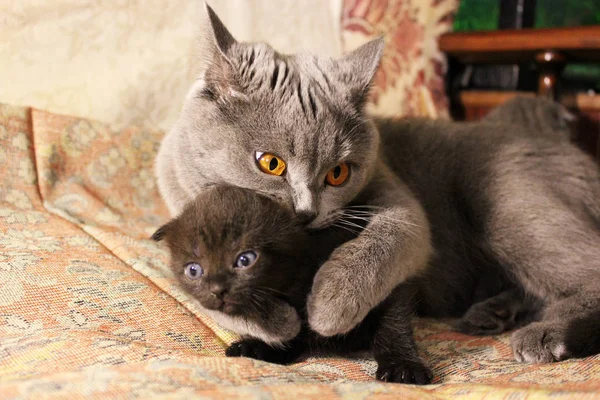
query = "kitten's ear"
x=359 y=67
x=160 y=233
x=217 y=41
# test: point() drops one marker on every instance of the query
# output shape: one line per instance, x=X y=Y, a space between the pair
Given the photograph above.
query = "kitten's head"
x=234 y=250
x=289 y=126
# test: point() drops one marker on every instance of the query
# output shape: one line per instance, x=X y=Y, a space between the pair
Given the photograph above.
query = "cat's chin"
x=227 y=308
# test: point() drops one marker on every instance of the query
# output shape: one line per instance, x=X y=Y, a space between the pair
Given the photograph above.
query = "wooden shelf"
x=489 y=98
x=578 y=44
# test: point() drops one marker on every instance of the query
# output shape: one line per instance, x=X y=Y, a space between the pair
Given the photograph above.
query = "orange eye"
x=270 y=163
x=338 y=174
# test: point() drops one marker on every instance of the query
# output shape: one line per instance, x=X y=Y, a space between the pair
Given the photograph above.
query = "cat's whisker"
x=357 y=126
x=265 y=290
x=363 y=216
x=352 y=224
x=258 y=303
x=353 y=231
x=366 y=207
x=394 y=223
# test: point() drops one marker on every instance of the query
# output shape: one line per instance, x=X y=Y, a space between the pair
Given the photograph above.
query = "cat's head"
x=290 y=126
x=235 y=250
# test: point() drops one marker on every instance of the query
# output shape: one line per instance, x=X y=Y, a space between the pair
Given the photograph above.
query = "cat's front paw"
x=410 y=372
x=259 y=350
x=335 y=305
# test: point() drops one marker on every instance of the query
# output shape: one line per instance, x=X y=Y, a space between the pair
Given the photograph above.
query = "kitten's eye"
x=270 y=163
x=193 y=271
x=338 y=174
x=246 y=259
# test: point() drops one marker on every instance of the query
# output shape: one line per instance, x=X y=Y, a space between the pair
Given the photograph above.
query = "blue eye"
x=245 y=260
x=193 y=271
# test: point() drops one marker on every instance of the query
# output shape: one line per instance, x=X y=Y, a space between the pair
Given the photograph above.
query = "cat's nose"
x=217 y=290
x=306 y=217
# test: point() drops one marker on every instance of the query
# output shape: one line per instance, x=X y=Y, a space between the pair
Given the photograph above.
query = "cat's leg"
x=551 y=245
x=570 y=328
x=394 y=246
x=285 y=353
x=393 y=344
x=496 y=314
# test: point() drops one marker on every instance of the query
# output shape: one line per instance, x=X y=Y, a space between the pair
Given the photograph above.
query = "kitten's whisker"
x=258 y=304
x=265 y=290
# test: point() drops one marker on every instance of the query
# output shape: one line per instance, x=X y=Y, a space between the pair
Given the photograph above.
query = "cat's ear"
x=222 y=38
x=217 y=42
x=161 y=232
x=358 y=69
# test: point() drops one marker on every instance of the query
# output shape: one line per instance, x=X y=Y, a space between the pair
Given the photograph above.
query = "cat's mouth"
x=226 y=306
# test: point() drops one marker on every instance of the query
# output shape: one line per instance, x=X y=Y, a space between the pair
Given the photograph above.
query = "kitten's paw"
x=410 y=372
x=334 y=305
x=486 y=318
x=539 y=343
x=259 y=350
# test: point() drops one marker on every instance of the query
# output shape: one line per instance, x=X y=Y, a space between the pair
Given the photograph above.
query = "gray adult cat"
x=285 y=126
x=478 y=204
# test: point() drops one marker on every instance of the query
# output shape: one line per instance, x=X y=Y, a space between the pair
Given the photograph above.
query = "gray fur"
x=508 y=206
x=464 y=211
x=540 y=117
x=308 y=110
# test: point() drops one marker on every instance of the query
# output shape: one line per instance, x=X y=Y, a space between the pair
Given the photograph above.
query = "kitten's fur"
x=213 y=230
x=226 y=221
x=504 y=207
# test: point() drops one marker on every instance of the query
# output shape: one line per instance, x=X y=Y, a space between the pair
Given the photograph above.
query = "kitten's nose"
x=306 y=217
x=218 y=290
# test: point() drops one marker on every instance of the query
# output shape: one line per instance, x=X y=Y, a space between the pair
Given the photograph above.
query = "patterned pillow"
x=410 y=80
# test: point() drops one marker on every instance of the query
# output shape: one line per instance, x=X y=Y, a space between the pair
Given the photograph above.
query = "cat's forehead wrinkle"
x=298 y=81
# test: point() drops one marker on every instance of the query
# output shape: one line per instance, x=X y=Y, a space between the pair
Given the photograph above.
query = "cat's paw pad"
x=409 y=372
x=484 y=319
x=539 y=343
x=334 y=303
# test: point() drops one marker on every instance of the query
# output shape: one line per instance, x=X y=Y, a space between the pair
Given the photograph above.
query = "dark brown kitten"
x=234 y=250
x=241 y=254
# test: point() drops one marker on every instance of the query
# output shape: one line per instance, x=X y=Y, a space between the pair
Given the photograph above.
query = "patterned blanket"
x=88 y=308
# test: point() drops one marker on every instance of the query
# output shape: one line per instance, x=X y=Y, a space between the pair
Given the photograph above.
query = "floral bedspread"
x=88 y=309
